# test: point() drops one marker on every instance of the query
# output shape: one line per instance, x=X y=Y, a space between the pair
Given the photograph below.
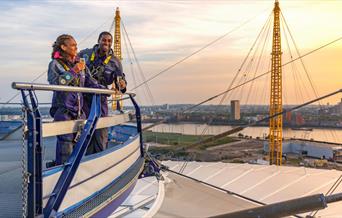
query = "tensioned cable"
x=222 y=189
x=249 y=68
x=138 y=65
x=305 y=69
x=263 y=74
x=166 y=69
x=301 y=60
x=293 y=66
x=263 y=29
x=294 y=70
x=239 y=128
x=240 y=68
x=334 y=186
x=259 y=60
x=246 y=58
x=259 y=76
x=330 y=191
x=130 y=63
x=197 y=51
x=43 y=73
x=267 y=73
x=267 y=81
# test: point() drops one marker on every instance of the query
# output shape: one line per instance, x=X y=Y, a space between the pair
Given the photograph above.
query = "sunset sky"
x=164 y=32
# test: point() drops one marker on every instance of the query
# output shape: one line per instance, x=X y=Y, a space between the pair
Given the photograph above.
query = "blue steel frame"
x=34 y=155
x=150 y=162
x=38 y=155
x=74 y=160
x=33 y=169
x=139 y=128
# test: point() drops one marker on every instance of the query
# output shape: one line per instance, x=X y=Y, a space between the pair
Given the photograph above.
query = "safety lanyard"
x=105 y=62
x=95 y=70
x=66 y=68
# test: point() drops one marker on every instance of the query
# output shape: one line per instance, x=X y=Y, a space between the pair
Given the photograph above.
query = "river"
x=328 y=135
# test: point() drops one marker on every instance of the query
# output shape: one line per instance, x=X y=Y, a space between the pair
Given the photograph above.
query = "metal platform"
x=11 y=177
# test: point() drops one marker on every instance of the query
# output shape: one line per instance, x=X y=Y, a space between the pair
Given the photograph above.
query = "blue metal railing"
x=34 y=174
x=74 y=160
x=139 y=127
x=34 y=146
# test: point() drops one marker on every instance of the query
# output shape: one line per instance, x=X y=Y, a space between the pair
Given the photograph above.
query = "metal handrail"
x=34 y=142
x=49 y=103
x=48 y=87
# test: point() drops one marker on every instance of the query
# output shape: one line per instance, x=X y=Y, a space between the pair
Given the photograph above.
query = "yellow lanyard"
x=105 y=62
x=66 y=68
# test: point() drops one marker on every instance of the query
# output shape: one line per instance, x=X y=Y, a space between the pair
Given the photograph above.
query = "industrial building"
x=315 y=149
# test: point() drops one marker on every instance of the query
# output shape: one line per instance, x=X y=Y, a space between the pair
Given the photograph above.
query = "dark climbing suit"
x=67 y=105
x=105 y=69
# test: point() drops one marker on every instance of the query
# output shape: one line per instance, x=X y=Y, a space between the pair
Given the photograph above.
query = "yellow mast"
x=276 y=123
x=117 y=35
x=117 y=102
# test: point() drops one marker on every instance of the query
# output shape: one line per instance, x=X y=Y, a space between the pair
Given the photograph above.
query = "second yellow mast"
x=276 y=106
x=117 y=102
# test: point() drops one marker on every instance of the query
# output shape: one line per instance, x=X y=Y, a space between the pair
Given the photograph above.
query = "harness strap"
x=105 y=62
x=66 y=68
x=77 y=83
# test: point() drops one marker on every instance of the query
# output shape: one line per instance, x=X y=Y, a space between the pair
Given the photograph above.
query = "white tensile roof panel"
x=174 y=165
x=230 y=173
x=248 y=179
x=279 y=179
x=205 y=172
x=190 y=167
x=187 y=198
x=303 y=186
x=264 y=183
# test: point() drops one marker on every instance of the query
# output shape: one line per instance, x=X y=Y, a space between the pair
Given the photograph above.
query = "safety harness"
x=67 y=79
x=98 y=71
x=105 y=62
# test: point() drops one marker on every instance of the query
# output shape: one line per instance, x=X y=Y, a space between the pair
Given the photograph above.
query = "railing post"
x=139 y=127
x=38 y=156
x=31 y=159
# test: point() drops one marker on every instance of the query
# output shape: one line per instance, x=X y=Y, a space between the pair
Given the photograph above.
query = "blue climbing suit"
x=67 y=105
x=105 y=69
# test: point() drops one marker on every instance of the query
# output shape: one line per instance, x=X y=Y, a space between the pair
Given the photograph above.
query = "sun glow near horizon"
x=164 y=32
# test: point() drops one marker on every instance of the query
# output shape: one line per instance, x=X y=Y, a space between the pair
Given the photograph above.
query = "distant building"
x=235 y=109
x=337 y=109
x=259 y=117
x=315 y=149
x=299 y=119
x=288 y=116
x=334 y=110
